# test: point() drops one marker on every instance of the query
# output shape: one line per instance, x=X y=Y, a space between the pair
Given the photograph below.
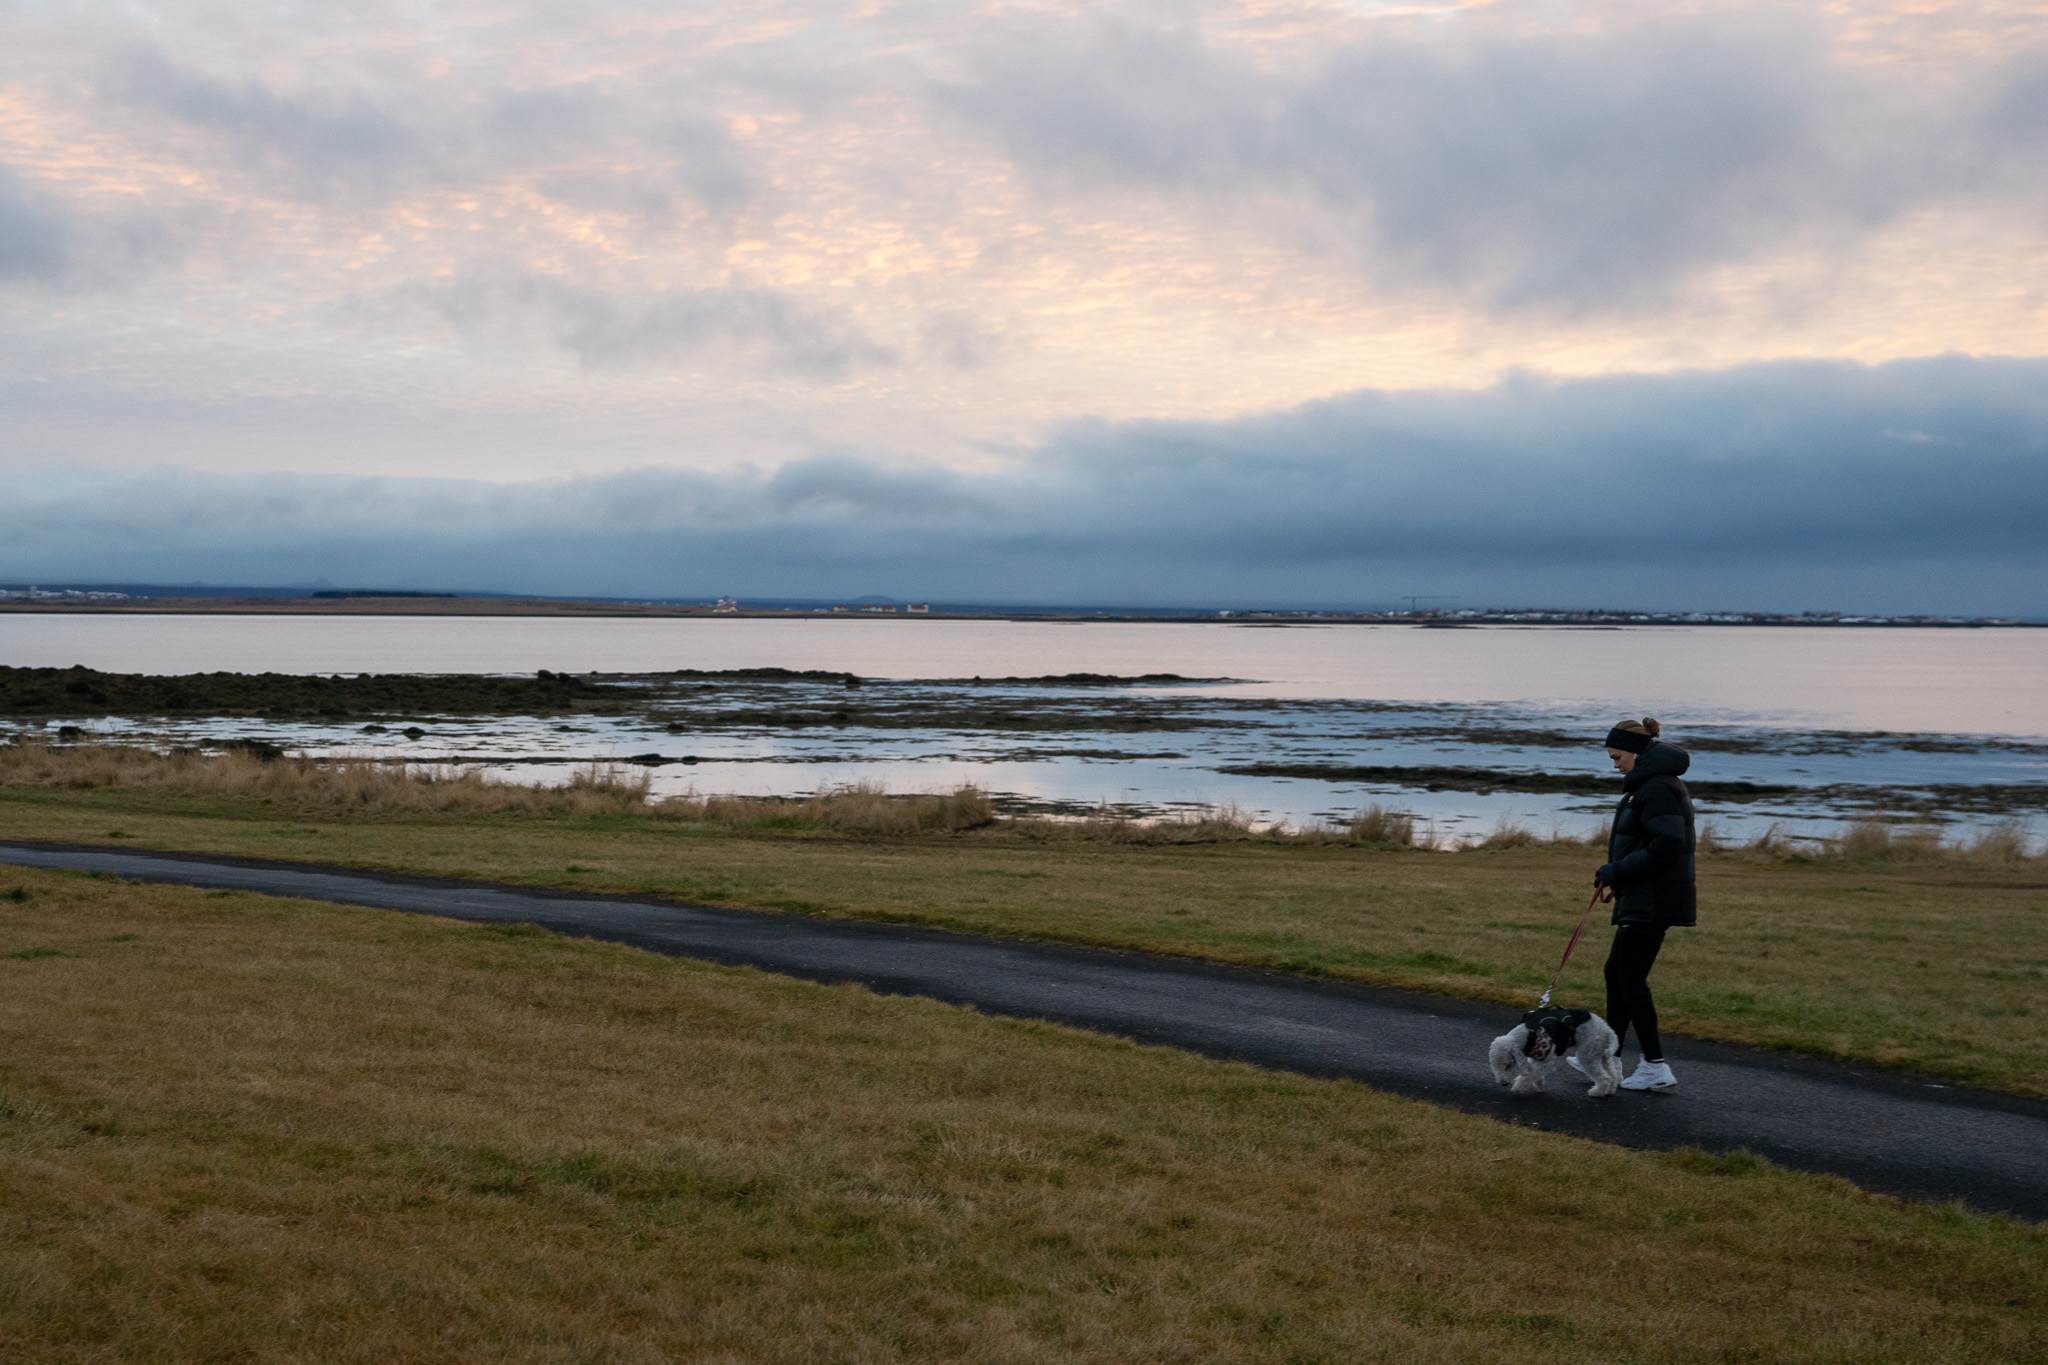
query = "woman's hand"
x=1605 y=876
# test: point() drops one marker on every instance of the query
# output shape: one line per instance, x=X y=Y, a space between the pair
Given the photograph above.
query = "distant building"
x=727 y=604
x=881 y=606
x=842 y=607
x=73 y=594
x=919 y=608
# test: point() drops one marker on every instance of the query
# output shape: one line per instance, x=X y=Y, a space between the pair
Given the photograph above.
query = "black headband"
x=1630 y=741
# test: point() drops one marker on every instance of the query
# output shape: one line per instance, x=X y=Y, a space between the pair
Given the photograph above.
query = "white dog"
x=1523 y=1057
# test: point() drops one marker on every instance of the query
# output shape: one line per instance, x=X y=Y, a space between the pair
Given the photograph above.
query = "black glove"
x=1605 y=876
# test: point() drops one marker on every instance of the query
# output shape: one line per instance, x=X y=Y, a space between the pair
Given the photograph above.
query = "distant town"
x=65 y=595
x=207 y=599
x=1544 y=616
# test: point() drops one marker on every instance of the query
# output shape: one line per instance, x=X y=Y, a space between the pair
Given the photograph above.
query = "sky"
x=1258 y=303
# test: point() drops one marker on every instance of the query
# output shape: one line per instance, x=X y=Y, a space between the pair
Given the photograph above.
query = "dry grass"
x=1511 y=834
x=1200 y=825
x=1380 y=827
x=348 y=782
x=862 y=808
x=2005 y=843
x=1375 y=826
x=396 y=785
x=237 y=1128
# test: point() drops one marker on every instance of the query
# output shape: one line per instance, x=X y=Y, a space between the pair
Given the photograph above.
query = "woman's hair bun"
x=1651 y=727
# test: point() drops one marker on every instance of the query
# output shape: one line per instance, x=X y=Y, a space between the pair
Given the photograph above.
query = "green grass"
x=1934 y=967
x=242 y=1128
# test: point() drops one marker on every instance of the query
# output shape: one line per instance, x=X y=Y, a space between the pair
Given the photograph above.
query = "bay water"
x=1846 y=720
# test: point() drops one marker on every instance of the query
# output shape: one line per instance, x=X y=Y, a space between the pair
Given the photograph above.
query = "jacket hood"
x=1659 y=760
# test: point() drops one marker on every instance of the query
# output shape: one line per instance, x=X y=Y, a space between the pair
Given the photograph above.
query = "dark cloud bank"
x=1913 y=486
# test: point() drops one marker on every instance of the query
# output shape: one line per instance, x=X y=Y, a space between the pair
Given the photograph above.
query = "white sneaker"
x=1573 y=1063
x=1651 y=1076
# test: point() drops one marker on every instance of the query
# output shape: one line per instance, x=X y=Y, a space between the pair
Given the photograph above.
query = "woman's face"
x=1624 y=761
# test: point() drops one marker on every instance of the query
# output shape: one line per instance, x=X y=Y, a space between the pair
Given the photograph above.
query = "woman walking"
x=1650 y=868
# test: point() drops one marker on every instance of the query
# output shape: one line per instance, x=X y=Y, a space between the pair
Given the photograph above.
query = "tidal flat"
x=1070 y=743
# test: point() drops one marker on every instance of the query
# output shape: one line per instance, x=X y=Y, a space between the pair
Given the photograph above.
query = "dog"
x=1523 y=1057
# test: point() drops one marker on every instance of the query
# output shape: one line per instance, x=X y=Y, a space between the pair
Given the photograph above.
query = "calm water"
x=1840 y=711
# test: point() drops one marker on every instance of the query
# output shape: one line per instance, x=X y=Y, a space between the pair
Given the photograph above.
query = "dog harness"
x=1561 y=1025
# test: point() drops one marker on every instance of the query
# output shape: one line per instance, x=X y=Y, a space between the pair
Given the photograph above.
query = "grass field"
x=1933 y=964
x=241 y=1128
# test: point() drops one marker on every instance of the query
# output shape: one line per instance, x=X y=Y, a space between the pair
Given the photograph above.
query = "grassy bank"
x=233 y=1127
x=1890 y=952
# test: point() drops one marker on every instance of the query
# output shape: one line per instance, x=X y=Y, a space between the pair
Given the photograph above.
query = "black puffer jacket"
x=1652 y=845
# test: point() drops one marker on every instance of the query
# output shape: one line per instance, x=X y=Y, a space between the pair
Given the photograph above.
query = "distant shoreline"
x=573 y=607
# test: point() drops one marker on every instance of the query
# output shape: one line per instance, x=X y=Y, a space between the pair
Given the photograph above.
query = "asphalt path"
x=1885 y=1132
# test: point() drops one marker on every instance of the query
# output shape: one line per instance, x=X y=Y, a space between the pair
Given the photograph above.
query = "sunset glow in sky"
x=794 y=296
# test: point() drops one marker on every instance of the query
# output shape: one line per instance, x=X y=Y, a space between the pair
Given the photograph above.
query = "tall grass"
x=598 y=788
x=867 y=809
x=1881 y=840
x=1374 y=826
x=857 y=808
x=2007 y=841
x=390 y=784
x=394 y=784
x=1509 y=833
x=1197 y=825
x=1378 y=825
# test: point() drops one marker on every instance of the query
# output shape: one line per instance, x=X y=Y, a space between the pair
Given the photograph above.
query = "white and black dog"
x=1523 y=1057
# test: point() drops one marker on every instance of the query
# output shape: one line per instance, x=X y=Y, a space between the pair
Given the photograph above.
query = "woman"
x=1650 y=867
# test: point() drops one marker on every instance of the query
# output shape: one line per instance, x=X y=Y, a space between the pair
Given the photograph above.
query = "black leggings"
x=1628 y=985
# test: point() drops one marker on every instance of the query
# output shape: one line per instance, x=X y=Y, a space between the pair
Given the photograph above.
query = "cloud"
x=52 y=242
x=609 y=328
x=1514 y=159
x=1914 y=486
x=711 y=232
x=357 y=138
x=31 y=235
x=1599 y=168
x=312 y=140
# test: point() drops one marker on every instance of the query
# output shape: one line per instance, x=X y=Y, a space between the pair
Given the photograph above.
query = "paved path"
x=1883 y=1131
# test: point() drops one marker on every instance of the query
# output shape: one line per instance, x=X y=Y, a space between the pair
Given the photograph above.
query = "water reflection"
x=1461 y=768
x=1978 y=682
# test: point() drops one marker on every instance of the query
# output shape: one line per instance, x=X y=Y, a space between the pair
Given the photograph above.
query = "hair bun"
x=1651 y=727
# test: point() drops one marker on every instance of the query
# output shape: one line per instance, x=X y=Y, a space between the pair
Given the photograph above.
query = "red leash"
x=1600 y=894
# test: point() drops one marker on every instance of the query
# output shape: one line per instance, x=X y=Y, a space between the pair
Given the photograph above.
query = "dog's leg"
x=1605 y=1069
x=1599 y=1056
